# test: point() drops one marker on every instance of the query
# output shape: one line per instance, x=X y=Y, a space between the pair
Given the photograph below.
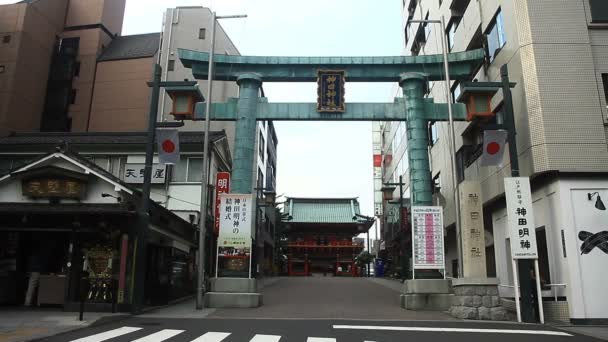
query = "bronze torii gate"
x=412 y=73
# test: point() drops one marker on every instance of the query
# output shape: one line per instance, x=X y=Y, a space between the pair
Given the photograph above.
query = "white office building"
x=556 y=52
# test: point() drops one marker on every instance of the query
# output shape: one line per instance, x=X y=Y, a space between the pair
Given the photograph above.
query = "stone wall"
x=479 y=302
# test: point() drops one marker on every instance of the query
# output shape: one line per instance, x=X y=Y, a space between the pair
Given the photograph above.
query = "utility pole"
x=523 y=265
x=206 y=165
x=144 y=207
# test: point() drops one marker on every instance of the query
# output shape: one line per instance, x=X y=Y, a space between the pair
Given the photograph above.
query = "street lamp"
x=483 y=90
x=144 y=208
x=205 y=176
x=387 y=187
x=452 y=134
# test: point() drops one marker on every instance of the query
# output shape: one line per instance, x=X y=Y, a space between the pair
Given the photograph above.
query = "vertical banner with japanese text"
x=520 y=215
x=427 y=234
x=222 y=186
x=236 y=221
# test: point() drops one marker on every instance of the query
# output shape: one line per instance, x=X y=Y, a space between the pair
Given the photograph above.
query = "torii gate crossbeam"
x=412 y=73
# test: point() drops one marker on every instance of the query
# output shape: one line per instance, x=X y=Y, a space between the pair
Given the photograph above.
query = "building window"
x=495 y=36
x=261 y=147
x=6 y=39
x=455 y=91
x=260 y=180
x=427 y=28
x=188 y=169
x=433 y=133
x=604 y=80
x=171 y=65
x=451 y=31
x=201 y=33
x=437 y=183
x=599 y=11
x=73 y=96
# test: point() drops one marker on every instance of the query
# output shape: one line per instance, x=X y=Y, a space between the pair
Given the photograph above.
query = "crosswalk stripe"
x=265 y=338
x=320 y=339
x=212 y=337
x=465 y=330
x=159 y=336
x=106 y=335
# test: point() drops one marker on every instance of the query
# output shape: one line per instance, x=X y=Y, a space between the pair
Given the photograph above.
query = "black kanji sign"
x=330 y=91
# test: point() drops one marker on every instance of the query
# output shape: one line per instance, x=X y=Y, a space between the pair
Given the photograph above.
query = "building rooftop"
x=100 y=138
x=323 y=210
x=130 y=47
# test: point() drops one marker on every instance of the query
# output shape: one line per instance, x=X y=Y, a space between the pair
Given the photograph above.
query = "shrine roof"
x=324 y=210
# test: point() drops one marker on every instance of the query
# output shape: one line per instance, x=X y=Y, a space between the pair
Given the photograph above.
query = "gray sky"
x=314 y=158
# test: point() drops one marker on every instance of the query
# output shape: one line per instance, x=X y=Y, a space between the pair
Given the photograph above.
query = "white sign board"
x=521 y=218
x=134 y=173
x=236 y=221
x=427 y=237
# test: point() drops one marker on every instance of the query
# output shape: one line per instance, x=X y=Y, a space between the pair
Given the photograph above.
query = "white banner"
x=427 y=235
x=134 y=173
x=236 y=221
x=520 y=213
x=167 y=141
x=493 y=147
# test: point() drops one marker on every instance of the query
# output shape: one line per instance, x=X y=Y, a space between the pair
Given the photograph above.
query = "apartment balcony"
x=470 y=23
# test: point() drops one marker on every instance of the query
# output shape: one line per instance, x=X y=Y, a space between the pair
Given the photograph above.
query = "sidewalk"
x=597 y=331
x=25 y=324
x=183 y=309
x=391 y=283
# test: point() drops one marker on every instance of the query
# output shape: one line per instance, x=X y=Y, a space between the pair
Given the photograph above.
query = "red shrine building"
x=321 y=235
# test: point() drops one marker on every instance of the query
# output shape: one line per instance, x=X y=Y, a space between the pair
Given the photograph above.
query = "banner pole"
x=541 y=312
x=516 y=288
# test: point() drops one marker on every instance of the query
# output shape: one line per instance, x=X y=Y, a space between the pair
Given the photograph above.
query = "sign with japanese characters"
x=427 y=236
x=54 y=187
x=330 y=91
x=473 y=239
x=236 y=221
x=134 y=173
x=222 y=186
x=521 y=218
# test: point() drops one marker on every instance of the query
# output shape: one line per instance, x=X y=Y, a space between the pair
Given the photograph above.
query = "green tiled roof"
x=323 y=210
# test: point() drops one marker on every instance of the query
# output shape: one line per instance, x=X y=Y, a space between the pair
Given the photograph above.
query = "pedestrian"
x=534 y=295
x=34 y=267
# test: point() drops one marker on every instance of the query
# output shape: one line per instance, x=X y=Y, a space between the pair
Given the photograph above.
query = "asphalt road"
x=331 y=298
x=311 y=330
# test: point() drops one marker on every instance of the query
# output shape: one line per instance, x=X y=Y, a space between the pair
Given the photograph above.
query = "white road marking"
x=492 y=331
x=265 y=338
x=106 y=335
x=212 y=337
x=159 y=336
x=320 y=339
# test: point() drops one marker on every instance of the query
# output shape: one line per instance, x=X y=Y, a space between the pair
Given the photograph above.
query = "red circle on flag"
x=168 y=146
x=493 y=148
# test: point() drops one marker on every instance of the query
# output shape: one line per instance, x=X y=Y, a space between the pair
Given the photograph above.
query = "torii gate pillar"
x=414 y=87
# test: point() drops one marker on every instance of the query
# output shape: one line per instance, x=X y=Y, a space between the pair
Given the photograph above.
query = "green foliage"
x=364 y=258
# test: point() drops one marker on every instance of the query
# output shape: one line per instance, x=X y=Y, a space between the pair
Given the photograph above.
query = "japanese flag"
x=493 y=147
x=167 y=141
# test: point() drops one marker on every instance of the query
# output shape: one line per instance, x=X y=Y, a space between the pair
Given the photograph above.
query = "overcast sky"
x=314 y=158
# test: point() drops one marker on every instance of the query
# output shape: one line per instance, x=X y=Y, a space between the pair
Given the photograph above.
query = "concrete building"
x=556 y=53
x=97 y=87
x=48 y=61
x=81 y=190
